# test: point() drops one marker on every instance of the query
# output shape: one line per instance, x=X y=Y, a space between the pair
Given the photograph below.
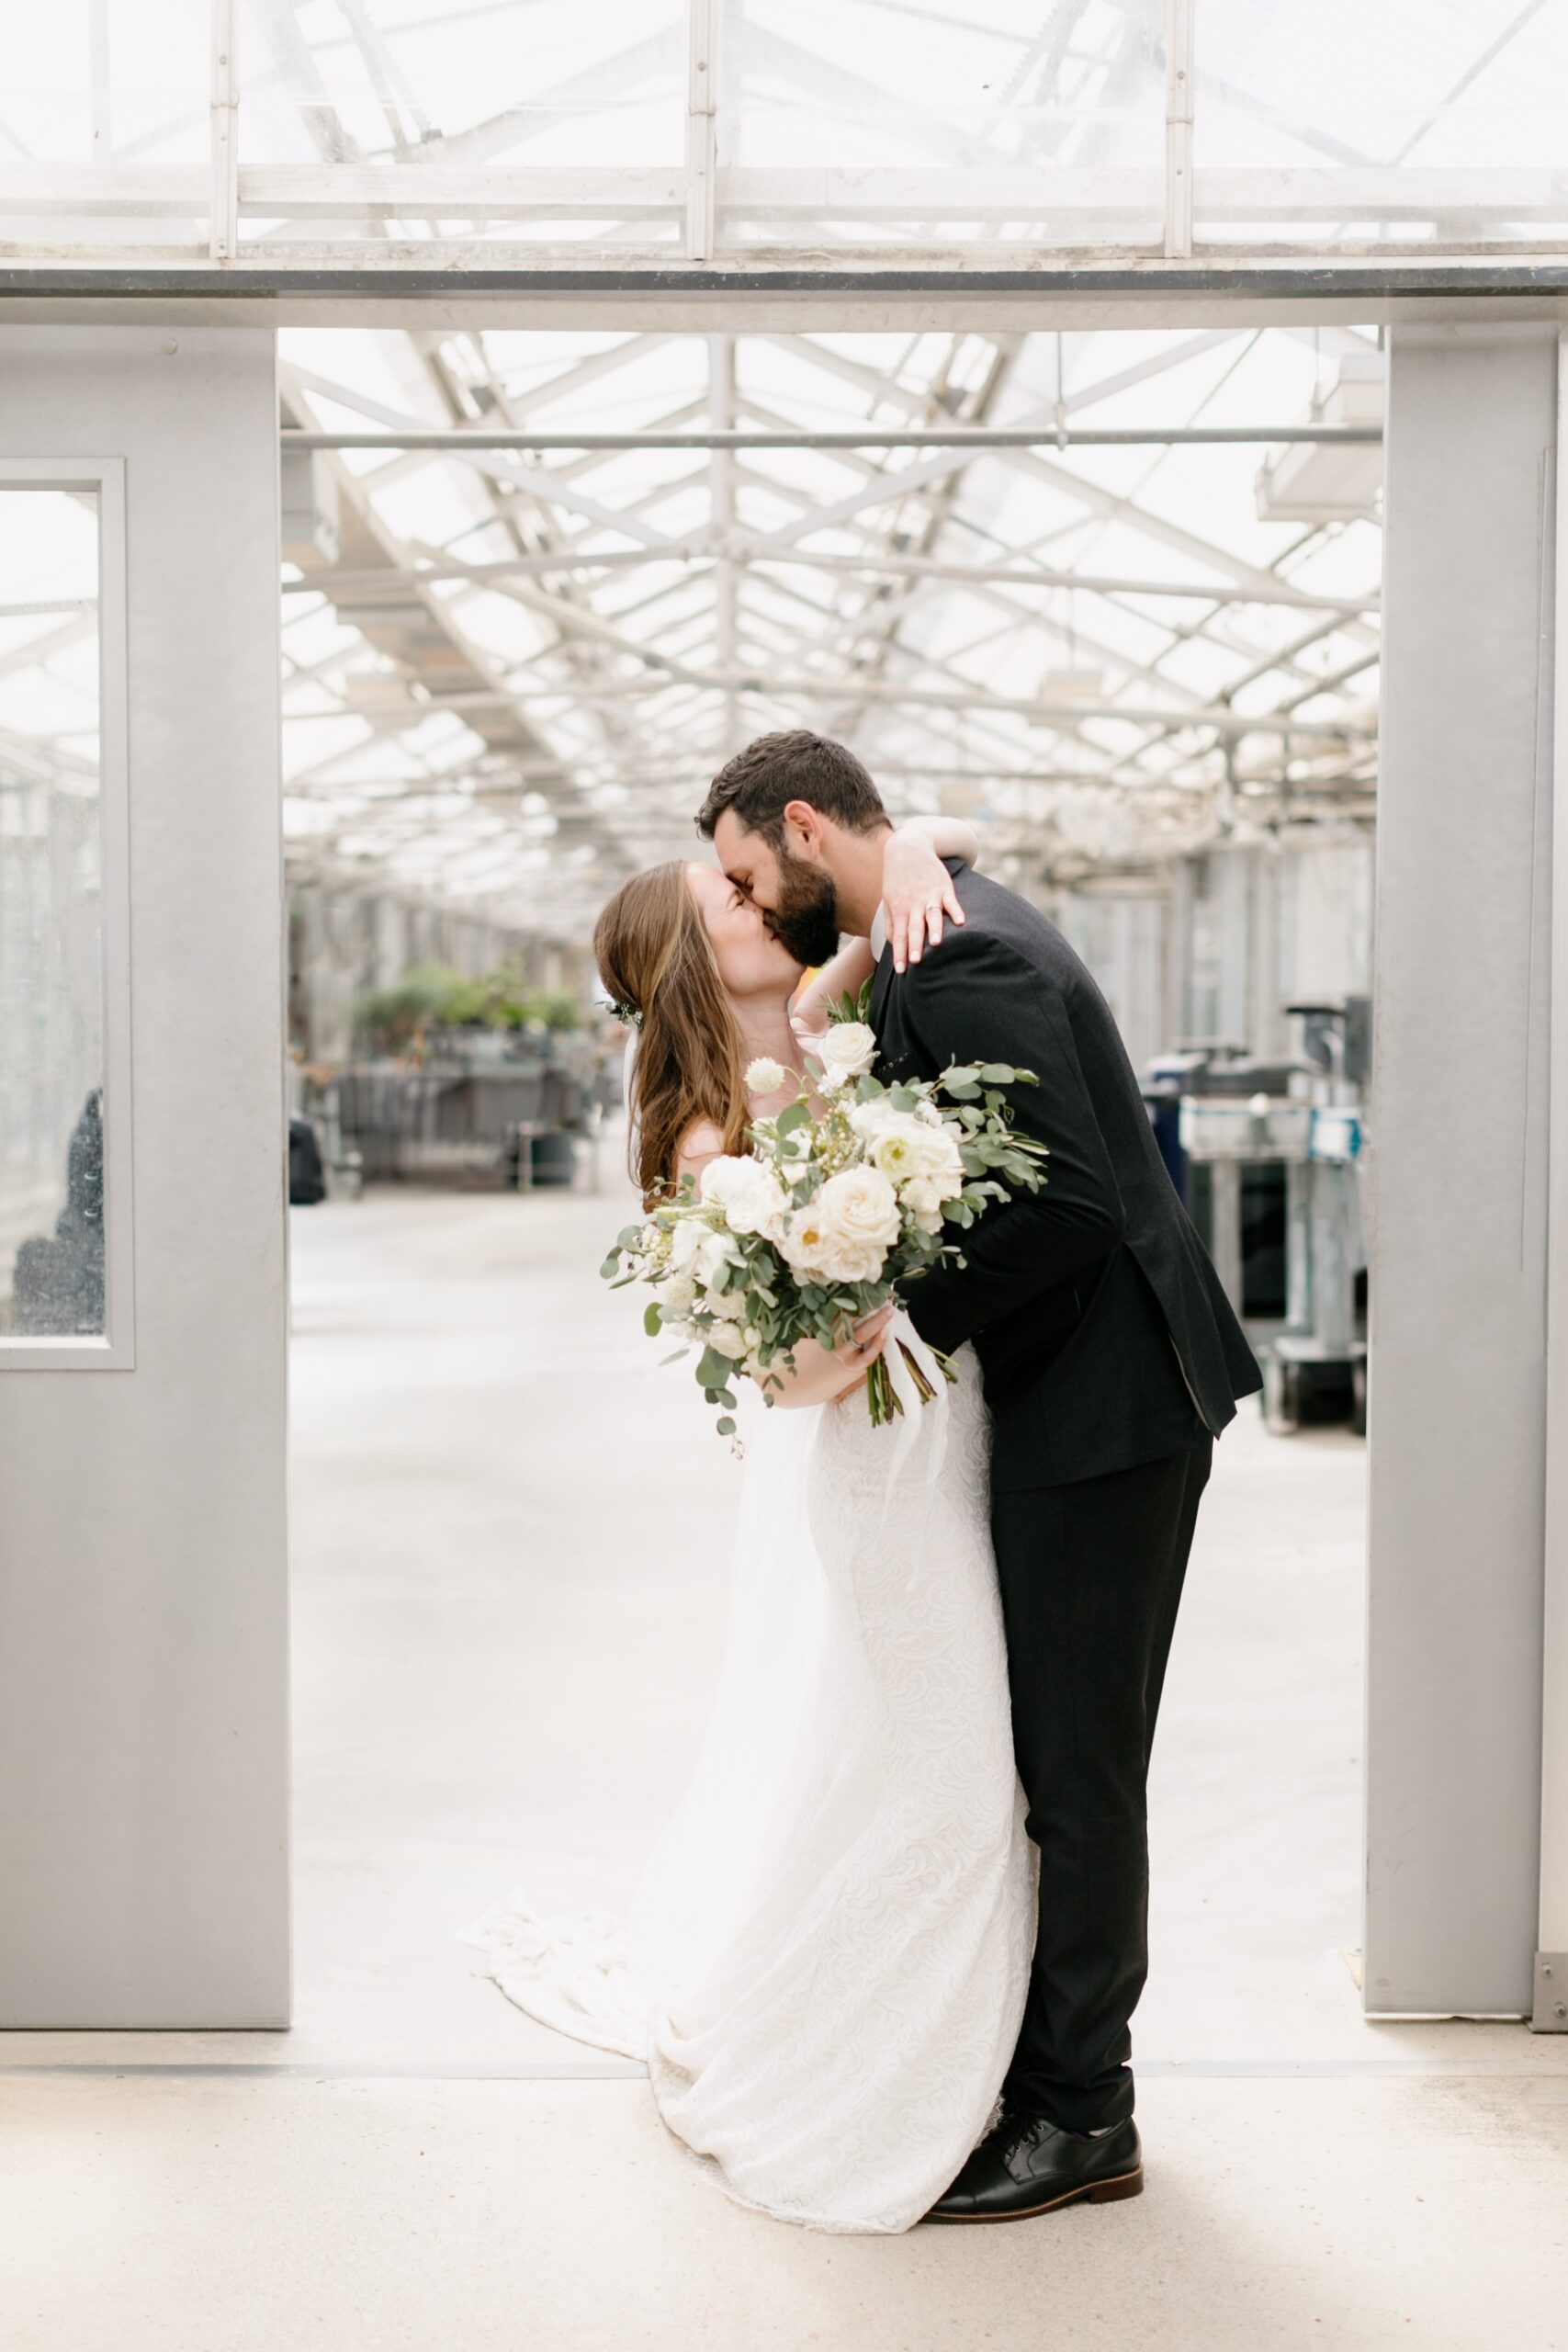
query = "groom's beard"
x=805 y=920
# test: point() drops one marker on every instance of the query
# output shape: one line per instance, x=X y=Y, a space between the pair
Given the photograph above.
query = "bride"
x=826 y=1962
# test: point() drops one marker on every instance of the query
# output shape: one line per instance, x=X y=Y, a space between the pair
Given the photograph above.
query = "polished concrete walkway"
x=510 y=1531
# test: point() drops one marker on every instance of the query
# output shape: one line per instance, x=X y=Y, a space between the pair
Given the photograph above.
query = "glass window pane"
x=105 y=124
x=896 y=122
x=51 y=936
x=443 y=122
x=1410 y=123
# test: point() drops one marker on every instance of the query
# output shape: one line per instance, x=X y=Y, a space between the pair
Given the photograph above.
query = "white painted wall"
x=1460 y=1175
x=143 y=1597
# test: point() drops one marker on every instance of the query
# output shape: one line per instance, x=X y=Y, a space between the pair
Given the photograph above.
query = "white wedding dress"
x=826 y=1962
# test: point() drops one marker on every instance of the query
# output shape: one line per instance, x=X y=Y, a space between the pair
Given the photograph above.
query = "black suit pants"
x=1090 y=1574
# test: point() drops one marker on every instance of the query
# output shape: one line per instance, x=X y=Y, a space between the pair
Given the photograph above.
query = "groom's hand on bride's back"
x=822 y=1375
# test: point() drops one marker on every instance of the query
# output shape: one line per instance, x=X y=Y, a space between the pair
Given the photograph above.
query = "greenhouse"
x=540 y=547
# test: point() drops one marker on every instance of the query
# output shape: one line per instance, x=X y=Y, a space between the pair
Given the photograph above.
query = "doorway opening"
x=1083 y=589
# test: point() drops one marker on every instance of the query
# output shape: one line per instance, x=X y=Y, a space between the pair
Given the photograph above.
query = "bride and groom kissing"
x=881 y=1960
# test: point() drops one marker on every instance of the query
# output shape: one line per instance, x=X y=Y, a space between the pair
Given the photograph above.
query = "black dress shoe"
x=1029 y=2164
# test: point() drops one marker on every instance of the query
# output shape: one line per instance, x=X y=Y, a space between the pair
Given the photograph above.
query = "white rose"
x=721 y=1175
x=714 y=1250
x=868 y=1119
x=845 y=1233
x=727 y=1340
x=859 y=1204
x=940 y=1161
x=730 y=1305
x=698 y=1251
x=765 y=1076
x=751 y=1197
x=923 y=1197
x=846 y=1052
x=820 y=1257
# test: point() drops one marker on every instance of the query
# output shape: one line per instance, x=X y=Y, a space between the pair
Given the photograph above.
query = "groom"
x=1112 y=1361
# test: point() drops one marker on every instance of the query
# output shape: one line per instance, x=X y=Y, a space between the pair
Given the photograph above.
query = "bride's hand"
x=917 y=889
x=821 y=1376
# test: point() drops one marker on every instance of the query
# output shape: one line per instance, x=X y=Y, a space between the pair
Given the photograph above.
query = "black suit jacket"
x=1104 y=1336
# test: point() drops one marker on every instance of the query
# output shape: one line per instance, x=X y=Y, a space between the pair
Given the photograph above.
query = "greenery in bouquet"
x=828 y=1214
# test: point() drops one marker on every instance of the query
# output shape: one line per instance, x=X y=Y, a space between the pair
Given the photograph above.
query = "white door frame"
x=194 y=319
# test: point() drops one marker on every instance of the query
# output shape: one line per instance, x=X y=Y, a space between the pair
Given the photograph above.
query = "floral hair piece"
x=630 y=1015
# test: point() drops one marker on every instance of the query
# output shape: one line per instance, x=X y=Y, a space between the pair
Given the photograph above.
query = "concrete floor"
x=509 y=1535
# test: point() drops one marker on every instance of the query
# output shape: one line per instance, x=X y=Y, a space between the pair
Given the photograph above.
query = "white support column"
x=702 y=127
x=223 y=193
x=1550 y=2014
x=1179 y=46
x=1460 y=1176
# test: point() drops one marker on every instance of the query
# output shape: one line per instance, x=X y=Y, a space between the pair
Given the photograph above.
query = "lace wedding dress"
x=825 y=1962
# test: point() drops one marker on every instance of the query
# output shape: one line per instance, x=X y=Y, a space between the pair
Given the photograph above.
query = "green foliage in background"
x=434 y=996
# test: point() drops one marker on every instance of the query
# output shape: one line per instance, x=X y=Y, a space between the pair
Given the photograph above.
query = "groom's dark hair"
x=758 y=783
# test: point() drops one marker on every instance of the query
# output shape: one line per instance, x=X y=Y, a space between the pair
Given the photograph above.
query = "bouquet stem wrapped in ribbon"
x=832 y=1213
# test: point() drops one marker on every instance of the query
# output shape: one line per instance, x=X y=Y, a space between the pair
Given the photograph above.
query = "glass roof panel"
x=385 y=134
x=513 y=674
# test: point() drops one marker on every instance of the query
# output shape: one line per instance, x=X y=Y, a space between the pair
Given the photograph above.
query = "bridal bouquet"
x=812 y=1231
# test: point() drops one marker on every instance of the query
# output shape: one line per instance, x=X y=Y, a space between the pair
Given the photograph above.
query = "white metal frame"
x=115 y=1349
x=1552 y=1941
x=425 y=205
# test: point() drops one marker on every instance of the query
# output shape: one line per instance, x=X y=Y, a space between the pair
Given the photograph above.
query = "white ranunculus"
x=846 y=1052
x=727 y=1340
x=905 y=1148
x=896 y=1151
x=765 y=1076
x=676 y=1295
x=730 y=1305
x=750 y=1195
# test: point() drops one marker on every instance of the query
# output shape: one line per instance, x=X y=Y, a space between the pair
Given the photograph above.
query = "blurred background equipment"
x=1267 y=1156
x=484 y=1080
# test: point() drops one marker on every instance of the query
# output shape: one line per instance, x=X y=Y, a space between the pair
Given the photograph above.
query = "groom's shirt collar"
x=878 y=931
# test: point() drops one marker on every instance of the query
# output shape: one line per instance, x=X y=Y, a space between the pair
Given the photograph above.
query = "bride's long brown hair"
x=654 y=955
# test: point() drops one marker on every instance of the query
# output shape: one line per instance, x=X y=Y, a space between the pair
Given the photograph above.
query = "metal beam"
x=1205 y=716
x=872 y=562
x=460 y=440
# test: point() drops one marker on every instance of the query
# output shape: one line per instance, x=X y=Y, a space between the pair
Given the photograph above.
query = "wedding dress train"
x=825 y=1962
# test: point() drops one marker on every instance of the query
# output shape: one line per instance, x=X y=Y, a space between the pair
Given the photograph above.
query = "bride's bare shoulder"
x=701 y=1142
